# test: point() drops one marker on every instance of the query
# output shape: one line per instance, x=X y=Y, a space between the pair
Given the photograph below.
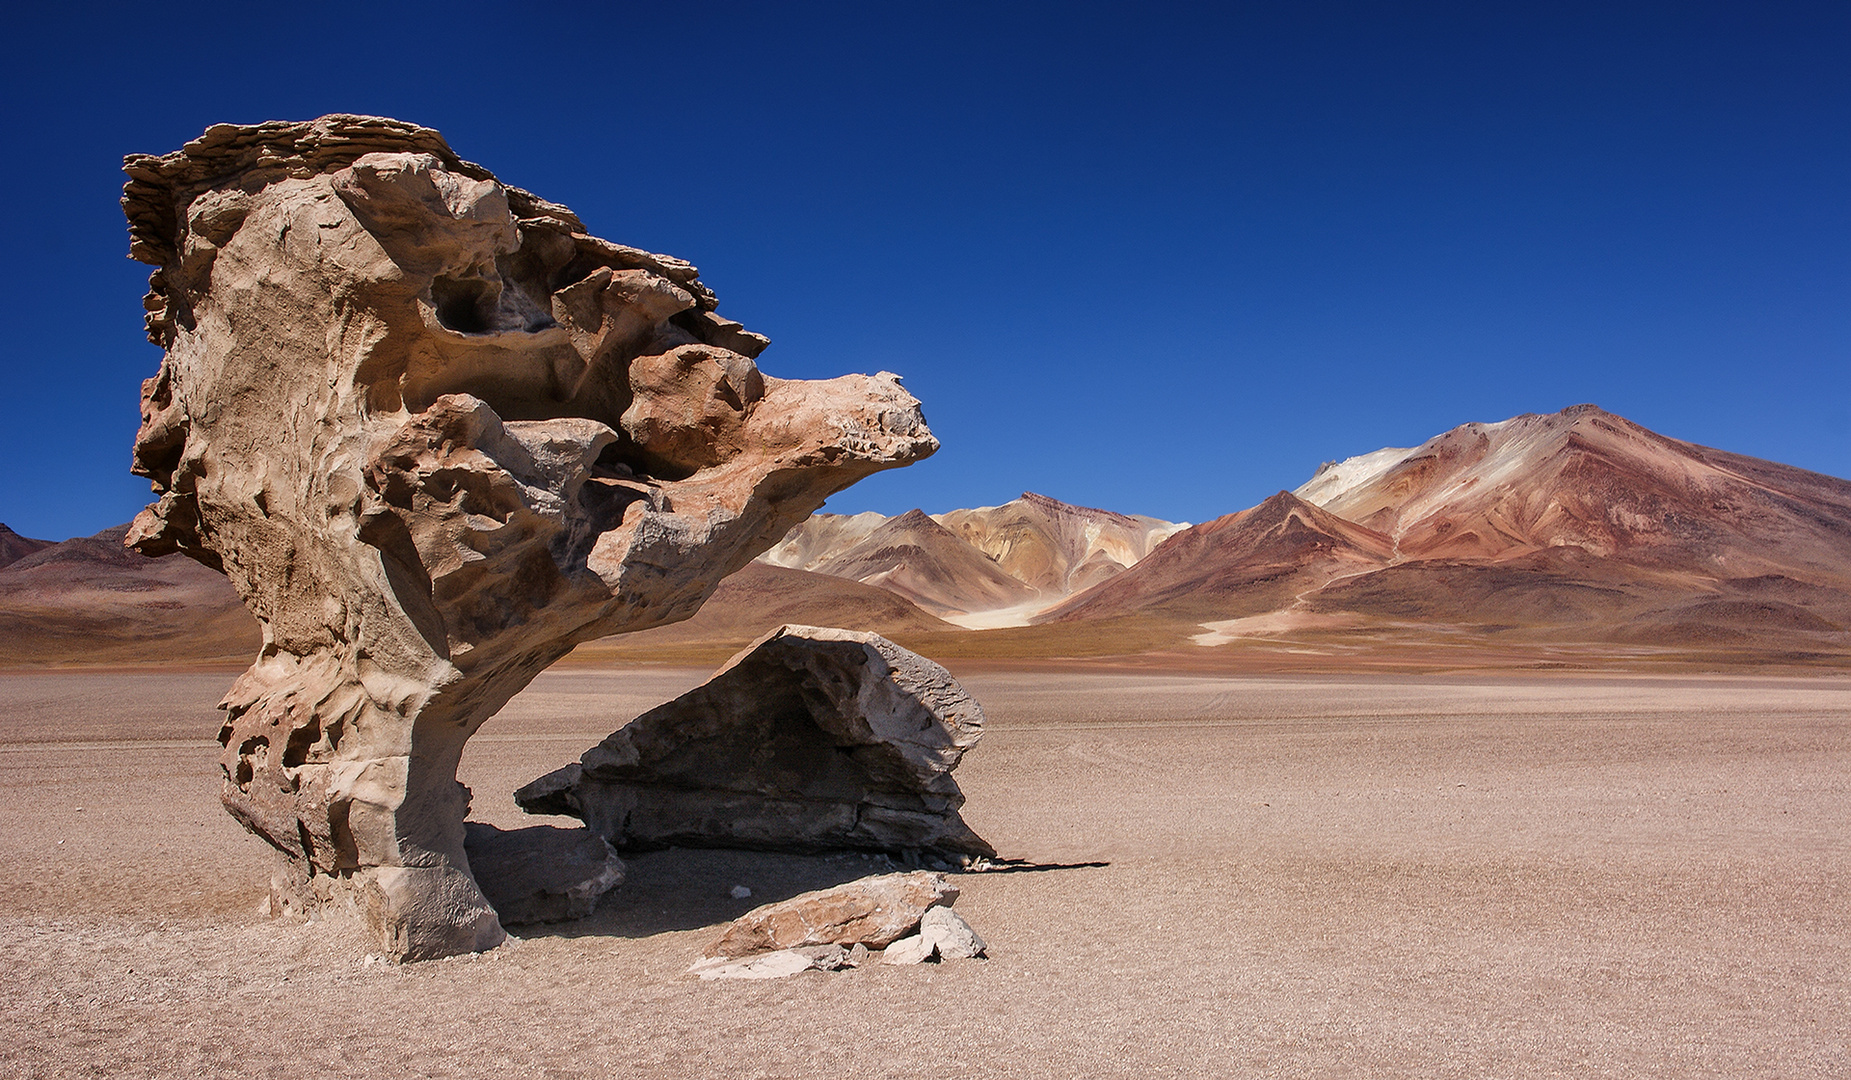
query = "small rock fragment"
x=947 y=932
x=908 y=950
x=740 y=892
x=772 y=965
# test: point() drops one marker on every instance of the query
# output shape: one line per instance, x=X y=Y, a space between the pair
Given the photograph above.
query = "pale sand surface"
x=1309 y=877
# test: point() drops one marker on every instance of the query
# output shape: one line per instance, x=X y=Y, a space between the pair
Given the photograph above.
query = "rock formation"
x=541 y=874
x=874 y=911
x=906 y=918
x=436 y=434
x=810 y=740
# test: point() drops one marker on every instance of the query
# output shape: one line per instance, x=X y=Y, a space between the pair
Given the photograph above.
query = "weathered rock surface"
x=542 y=874
x=436 y=435
x=943 y=934
x=873 y=911
x=777 y=965
x=811 y=739
x=949 y=935
x=911 y=949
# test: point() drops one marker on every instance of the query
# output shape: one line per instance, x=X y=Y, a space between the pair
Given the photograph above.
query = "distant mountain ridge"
x=92 y=600
x=1578 y=529
x=1578 y=524
x=14 y=547
x=984 y=567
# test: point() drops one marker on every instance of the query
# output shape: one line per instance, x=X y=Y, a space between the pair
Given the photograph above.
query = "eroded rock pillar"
x=437 y=434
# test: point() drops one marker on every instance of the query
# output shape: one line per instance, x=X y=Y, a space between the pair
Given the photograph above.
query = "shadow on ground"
x=689 y=888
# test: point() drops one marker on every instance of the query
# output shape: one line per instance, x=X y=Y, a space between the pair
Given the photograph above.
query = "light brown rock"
x=812 y=739
x=873 y=911
x=911 y=949
x=436 y=435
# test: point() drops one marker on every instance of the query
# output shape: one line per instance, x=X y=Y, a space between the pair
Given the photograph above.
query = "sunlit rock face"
x=437 y=435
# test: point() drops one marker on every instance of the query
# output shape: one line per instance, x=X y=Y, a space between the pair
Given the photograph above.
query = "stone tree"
x=437 y=435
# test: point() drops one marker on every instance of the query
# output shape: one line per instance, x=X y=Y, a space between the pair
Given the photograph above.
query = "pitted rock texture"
x=436 y=435
x=812 y=739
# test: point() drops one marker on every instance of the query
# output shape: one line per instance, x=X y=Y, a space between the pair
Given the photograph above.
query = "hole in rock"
x=301 y=741
x=465 y=305
x=252 y=753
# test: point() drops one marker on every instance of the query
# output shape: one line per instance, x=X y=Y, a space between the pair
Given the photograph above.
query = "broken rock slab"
x=873 y=911
x=780 y=964
x=541 y=874
x=812 y=739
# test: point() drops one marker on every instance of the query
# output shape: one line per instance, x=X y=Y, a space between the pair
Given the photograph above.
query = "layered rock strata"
x=436 y=434
x=811 y=739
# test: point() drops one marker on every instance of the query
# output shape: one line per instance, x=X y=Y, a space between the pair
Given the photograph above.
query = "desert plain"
x=1501 y=874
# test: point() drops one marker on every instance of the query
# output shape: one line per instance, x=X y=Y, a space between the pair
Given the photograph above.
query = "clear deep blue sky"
x=1158 y=258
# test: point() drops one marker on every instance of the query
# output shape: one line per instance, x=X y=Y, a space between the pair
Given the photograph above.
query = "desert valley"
x=1519 y=752
x=482 y=692
x=1575 y=540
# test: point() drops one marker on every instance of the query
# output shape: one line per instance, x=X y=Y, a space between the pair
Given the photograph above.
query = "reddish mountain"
x=14 y=547
x=1257 y=560
x=1588 y=479
x=1577 y=525
x=91 y=600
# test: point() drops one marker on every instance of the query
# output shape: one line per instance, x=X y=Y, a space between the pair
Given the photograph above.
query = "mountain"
x=821 y=537
x=91 y=600
x=14 y=547
x=1573 y=526
x=921 y=560
x=1588 y=479
x=1256 y=560
x=1055 y=548
x=986 y=567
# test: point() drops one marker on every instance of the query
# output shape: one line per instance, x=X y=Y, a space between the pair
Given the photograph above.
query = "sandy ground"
x=1333 y=877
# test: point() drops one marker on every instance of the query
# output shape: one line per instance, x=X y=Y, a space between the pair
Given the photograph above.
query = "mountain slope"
x=926 y=563
x=1588 y=479
x=1257 y=560
x=1056 y=548
x=1576 y=525
x=1050 y=548
x=91 y=600
x=759 y=598
x=14 y=547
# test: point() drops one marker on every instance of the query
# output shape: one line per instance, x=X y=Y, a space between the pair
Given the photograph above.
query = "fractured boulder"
x=812 y=739
x=541 y=874
x=874 y=911
x=436 y=435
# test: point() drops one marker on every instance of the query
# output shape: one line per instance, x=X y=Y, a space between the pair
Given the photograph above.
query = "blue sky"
x=1159 y=258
